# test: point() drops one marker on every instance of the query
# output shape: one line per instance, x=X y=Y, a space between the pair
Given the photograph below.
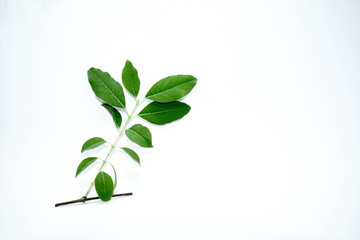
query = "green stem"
x=115 y=143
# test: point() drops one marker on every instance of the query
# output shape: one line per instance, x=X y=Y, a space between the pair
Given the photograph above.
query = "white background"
x=270 y=149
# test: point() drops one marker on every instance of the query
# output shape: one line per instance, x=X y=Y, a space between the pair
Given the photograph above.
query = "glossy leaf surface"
x=84 y=164
x=104 y=186
x=114 y=113
x=106 y=88
x=162 y=113
x=92 y=143
x=131 y=79
x=132 y=154
x=140 y=135
x=171 y=88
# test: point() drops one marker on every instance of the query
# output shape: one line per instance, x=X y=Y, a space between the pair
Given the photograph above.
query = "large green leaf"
x=106 y=88
x=104 y=186
x=131 y=79
x=84 y=164
x=114 y=113
x=132 y=154
x=162 y=113
x=171 y=88
x=92 y=143
x=140 y=135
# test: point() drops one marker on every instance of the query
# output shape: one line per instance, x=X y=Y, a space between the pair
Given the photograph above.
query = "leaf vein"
x=158 y=112
x=170 y=88
x=138 y=135
x=131 y=82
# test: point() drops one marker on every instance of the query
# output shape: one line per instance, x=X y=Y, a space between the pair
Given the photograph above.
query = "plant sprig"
x=164 y=107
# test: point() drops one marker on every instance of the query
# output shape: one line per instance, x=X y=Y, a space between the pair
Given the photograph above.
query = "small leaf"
x=131 y=79
x=171 y=88
x=162 y=113
x=132 y=154
x=139 y=135
x=115 y=183
x=114 y=113
x=104 y=186
x=92 y=143
x=84 y=164
x=106 y=88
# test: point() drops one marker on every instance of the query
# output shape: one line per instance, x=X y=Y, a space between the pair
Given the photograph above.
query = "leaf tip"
x=91 y=70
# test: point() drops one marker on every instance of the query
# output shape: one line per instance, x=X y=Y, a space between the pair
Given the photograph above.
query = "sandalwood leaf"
x=92 y=143
x=132 y=154
x=106 y=88
x=140 y=135
x=162 y=113
x=115 y=182
x=84 y=164
x=171 y=88
x=114 y=113
x=131 y=79
x=104 y=186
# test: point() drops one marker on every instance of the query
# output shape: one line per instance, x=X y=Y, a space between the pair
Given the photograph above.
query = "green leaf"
x=139 y=135
x=162 y=113
x=115 y=183
x=114 y=113
x=106 y=88
x=84 y=164
x=131 y=79
x=171 y=88
x=104 y=186
x=132 y=154
x=92 y=143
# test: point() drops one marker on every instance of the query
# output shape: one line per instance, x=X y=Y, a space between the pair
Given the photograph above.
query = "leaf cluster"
x=164 y=107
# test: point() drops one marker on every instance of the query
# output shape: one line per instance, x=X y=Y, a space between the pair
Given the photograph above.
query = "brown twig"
x=84 y=199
